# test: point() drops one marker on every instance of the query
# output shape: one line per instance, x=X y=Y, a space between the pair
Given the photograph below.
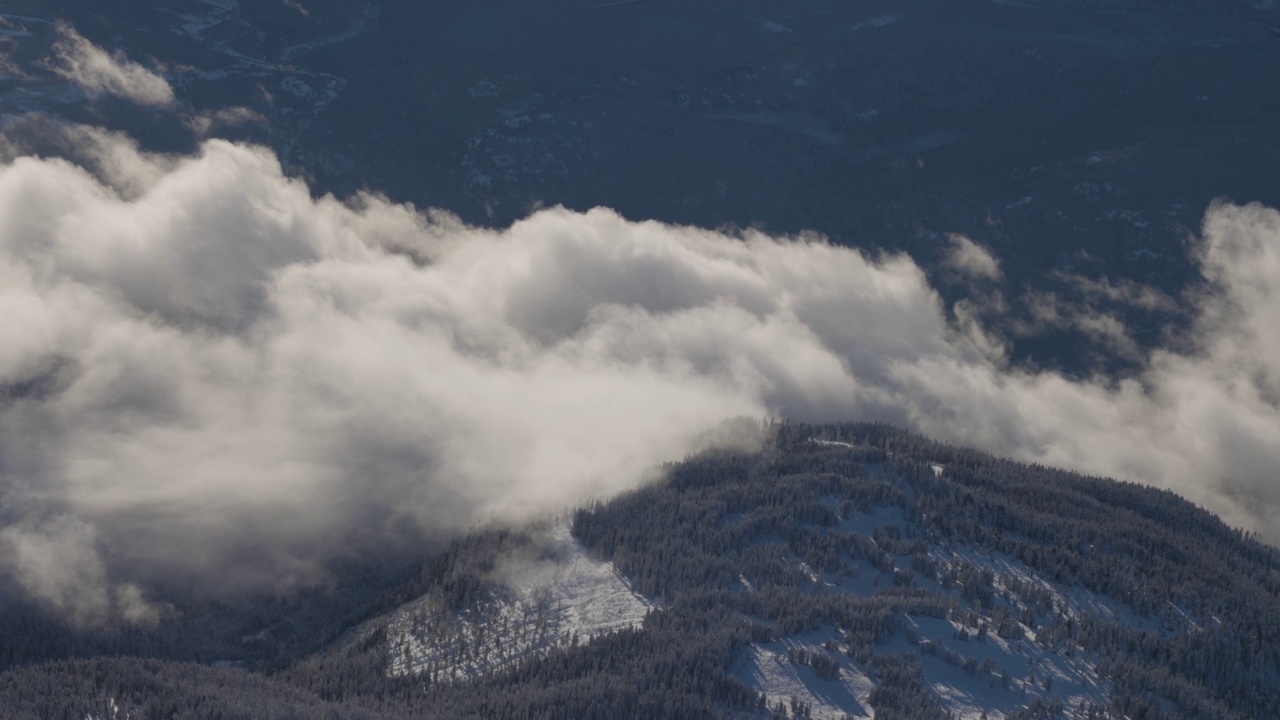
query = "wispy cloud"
x=101 y=73
x=970 y=258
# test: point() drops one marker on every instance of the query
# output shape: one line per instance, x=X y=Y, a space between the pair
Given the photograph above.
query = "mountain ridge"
x=834 y=566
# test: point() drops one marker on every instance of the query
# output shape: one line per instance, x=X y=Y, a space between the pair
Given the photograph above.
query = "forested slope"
x=843 y=570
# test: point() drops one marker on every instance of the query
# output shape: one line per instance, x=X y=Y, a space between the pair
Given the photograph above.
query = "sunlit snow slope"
x=984 y=659
x=567 y=597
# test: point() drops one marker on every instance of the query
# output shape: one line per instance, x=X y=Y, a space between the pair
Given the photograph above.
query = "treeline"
x=719 y=518
x=749 y=548
x=263 y=633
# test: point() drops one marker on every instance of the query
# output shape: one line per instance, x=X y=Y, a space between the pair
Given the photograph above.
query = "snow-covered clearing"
x=567 y=597
x=985 y=657
x=767 y=667
x=1005 y=674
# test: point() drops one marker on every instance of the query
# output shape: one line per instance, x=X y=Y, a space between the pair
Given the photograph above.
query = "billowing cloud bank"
x=205 y=373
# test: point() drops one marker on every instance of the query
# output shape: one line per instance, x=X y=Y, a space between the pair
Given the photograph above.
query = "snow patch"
x=565 y=599
x=769 y=668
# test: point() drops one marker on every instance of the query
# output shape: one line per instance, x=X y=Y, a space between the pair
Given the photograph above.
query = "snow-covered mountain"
x=846 y=572
x=833 y=571
x=850 y=571
x=978 y=660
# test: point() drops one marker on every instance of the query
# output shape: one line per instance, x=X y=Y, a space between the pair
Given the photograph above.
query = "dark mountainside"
x=855 y=538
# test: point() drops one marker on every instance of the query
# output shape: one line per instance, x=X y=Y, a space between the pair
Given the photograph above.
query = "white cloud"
x=1125 y=292
x=57 y=563
x=103 y=73
x=215 y=376
x=970 y=258
x=205 y=122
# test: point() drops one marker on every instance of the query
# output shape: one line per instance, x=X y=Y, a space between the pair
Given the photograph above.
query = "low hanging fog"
x=208 y=376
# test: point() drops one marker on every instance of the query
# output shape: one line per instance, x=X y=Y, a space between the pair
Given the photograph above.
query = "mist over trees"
x=736 y=549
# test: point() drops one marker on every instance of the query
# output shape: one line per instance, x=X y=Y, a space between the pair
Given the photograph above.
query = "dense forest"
x=862 y=535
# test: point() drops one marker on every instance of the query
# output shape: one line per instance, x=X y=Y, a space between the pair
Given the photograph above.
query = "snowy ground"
x=1005 y=675
x=974 y=672
x=567 y=597
x=766 y=667
x=1021 y=671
